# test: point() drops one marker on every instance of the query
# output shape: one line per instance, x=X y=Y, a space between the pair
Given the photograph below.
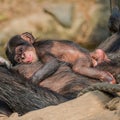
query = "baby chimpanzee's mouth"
x=29 y=59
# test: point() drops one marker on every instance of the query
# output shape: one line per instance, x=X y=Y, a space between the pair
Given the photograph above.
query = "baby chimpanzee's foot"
x=109 y=78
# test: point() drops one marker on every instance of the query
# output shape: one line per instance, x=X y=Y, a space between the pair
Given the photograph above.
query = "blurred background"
x=83 y=21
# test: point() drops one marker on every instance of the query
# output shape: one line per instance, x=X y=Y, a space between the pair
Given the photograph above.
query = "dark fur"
x=114 y=20
x=22 y=96
x=112 y=44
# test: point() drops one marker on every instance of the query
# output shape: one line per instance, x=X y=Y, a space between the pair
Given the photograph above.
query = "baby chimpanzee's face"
x=25 y=54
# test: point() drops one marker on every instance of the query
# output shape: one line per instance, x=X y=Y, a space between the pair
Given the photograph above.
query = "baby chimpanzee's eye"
x=17 y=59
x=21 y=49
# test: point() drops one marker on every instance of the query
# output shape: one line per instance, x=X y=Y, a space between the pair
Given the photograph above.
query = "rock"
x=90 y=106
x=63 y=13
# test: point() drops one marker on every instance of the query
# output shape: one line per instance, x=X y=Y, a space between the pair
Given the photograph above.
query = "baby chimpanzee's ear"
x=28 y=37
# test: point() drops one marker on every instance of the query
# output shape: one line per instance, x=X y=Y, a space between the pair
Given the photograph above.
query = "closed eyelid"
x=17 y=59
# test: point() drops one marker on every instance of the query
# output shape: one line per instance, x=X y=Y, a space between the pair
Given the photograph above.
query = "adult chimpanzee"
x=112 y=44
x=22 y=96
x=23 y=49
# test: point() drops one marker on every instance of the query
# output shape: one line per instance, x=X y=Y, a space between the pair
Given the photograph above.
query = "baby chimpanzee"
x=24 y=49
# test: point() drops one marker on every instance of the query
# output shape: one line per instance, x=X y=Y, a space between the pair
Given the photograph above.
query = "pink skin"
x=25 y=54
x=28 y=57
x=99 y=56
